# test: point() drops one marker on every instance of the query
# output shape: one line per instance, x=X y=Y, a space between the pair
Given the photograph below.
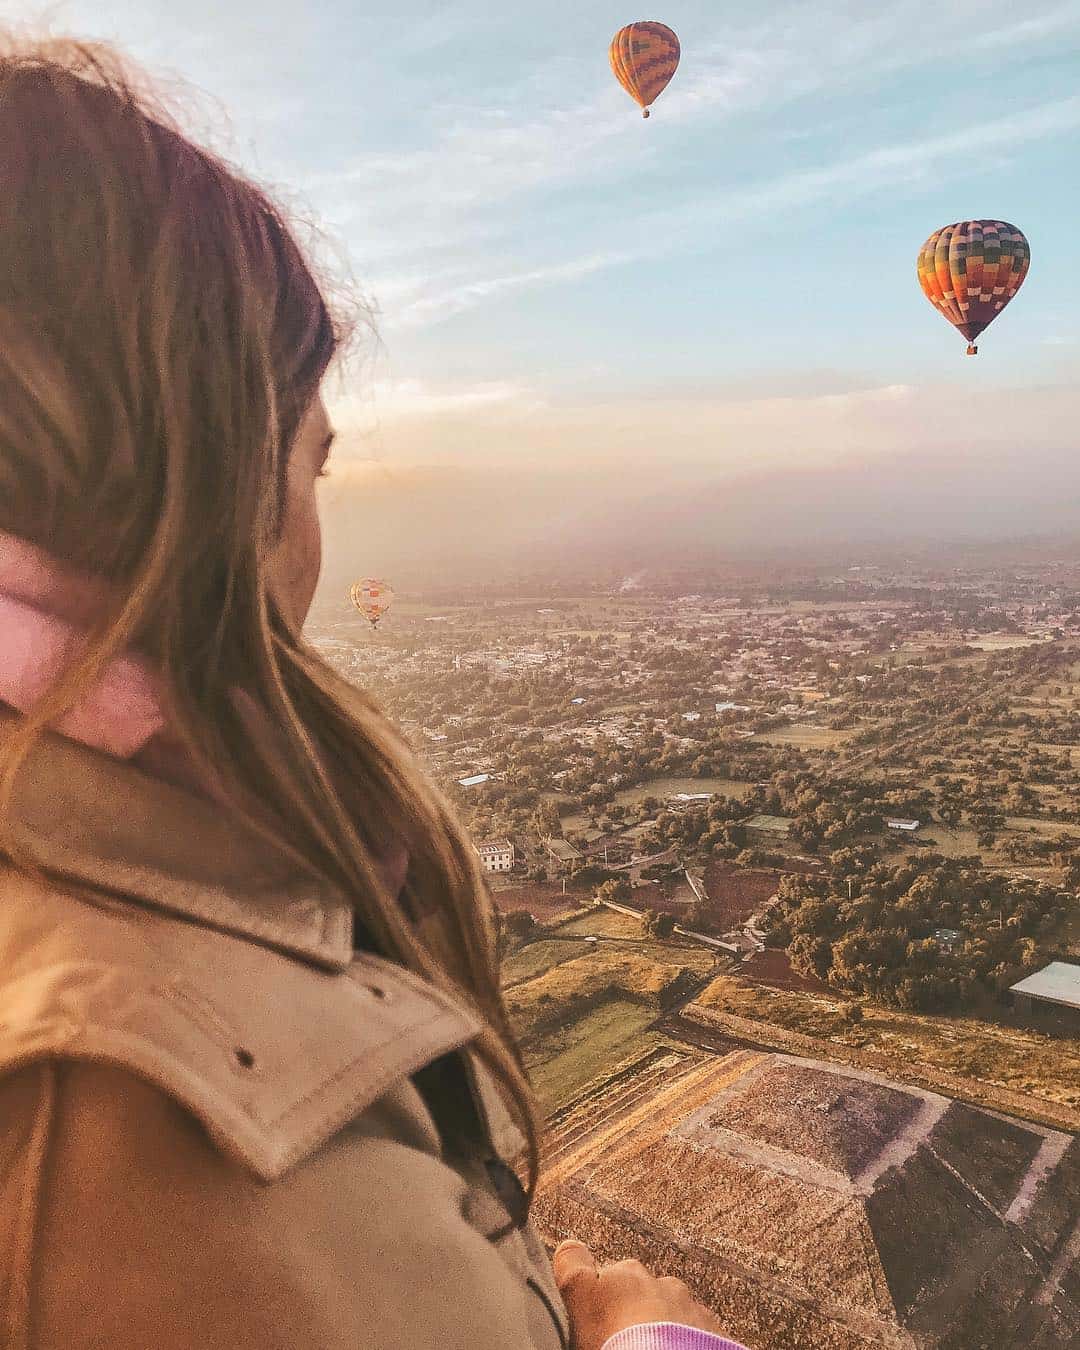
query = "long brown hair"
x=161 y=337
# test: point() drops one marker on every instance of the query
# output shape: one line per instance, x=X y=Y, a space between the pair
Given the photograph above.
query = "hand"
x=602 y=1301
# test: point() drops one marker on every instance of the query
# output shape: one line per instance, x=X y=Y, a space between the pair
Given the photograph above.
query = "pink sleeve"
x=667 y=1336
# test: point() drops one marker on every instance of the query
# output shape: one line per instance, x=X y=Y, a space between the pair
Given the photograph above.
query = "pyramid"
x=818 y=1205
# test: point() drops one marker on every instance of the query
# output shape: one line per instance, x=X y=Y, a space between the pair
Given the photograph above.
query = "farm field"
x=773 y=968
x=545 y=899
x=735 y=893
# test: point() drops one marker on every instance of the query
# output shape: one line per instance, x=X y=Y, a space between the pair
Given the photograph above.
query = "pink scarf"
x=39 y=635
x=40 y=601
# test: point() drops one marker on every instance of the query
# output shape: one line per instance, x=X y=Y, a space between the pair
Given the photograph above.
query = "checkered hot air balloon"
x=971 y=270
x=644 y=56
x=372 y=597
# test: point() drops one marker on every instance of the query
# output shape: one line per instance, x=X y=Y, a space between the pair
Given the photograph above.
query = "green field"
x=664 y=787
x=604 y=922
x=587 y=1048
x=806 y=738
x=534 y=958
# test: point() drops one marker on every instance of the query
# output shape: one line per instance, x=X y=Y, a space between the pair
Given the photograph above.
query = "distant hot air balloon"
x=372 y=598
x=644 y=56
x=971 y=270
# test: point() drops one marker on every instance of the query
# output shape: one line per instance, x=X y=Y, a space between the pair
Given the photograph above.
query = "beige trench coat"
x=210 y=1133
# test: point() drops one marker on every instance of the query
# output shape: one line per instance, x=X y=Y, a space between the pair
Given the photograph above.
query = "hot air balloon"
x=372 y=598
x=644 y=56
x=971 y=270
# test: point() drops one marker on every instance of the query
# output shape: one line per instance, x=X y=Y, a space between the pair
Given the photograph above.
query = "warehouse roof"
x=1059 y=982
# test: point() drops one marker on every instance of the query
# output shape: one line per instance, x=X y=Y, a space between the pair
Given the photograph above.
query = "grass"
x=603 y=922
x=1001 y=642
x=587 y=1048
x=806 y=738
x=1024 y=1062
x=563 y=989
x=535 y=958
x=663 y=787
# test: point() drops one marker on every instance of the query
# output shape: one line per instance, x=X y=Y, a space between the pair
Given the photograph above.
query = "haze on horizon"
x=600 y=336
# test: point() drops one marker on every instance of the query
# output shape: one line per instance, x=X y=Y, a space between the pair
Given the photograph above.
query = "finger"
x=571 y=1259
x=629 y=1273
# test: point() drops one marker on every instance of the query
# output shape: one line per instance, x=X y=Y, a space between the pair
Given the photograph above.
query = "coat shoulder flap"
x=271 y=1054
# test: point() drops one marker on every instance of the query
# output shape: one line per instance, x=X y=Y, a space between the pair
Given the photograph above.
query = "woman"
x=257 y=1085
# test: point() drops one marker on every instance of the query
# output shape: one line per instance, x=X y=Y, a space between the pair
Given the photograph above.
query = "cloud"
x=693 y=433
x=467 y=294
x=389 y=401
x=1032 y=30
x=446 y=224
x=426 y=299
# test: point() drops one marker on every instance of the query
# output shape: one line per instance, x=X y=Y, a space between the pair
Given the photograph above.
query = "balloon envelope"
x=644 y=56
x=971 y=270
x=372 y=597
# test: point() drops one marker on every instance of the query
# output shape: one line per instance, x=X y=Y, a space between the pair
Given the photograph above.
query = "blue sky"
x=731 y=282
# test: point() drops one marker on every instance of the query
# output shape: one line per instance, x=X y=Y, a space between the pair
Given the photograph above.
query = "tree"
x=519 y=923
x=617 y=889
x=699 y=916
x=658 y=925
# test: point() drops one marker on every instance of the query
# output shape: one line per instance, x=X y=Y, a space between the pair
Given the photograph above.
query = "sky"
x=584 y=314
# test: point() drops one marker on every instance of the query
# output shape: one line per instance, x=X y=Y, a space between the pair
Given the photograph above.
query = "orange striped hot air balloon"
x=372 y=597
x=644 y=56
x=971 y=270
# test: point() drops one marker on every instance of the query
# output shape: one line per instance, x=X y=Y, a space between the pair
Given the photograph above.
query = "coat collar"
x=100 y=822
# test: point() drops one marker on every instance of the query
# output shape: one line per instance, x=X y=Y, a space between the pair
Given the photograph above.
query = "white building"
x=908 y=826
x=1056 y=984
x=474 y=780
x=496 y=855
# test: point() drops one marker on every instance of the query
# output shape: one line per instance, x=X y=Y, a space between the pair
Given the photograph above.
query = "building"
x=908 y=826
x=474 y=780
x=1055 y=987
x=778 y=825
x=496 y=855
x=562 y=850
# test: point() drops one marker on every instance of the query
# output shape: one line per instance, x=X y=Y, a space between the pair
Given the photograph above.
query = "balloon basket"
x=972 y=350
x=644 y=112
